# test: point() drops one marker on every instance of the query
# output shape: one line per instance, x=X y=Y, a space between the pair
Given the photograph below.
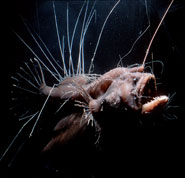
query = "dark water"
x=129 y=19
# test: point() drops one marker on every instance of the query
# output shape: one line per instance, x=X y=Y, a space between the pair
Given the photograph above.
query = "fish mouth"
x=155 y=104
x=150 y=101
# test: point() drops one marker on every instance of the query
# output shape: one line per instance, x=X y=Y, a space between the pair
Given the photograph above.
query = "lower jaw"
x=158 y=102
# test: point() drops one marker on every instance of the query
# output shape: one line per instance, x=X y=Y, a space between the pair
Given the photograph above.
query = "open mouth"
x=156 y=103
x=149 y=99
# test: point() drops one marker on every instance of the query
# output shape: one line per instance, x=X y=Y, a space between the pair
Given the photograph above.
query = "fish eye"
x=135 y=80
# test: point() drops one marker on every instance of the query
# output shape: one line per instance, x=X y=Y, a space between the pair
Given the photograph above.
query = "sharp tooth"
x=157 y=102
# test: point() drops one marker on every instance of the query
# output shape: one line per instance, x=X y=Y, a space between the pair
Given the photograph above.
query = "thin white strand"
x=63 y=47
x=42 y=50
x=68 y=42
x=41 y=71
x=49 y=53
x=74 y=30
x=36 y=71
x=97 y=44
x=24 y=114
x=169 y=107
x=14 y=78
x=83 y=93
x=83 y=60
x=32 y=76
x=59 y=42
x=85 y=30
x=151 y=70
x=62 y=105
x=91 y=14
x=152 y=39
x=170 y=116
x=133 y=65
x=35 y=78
x=38 y=117
x=171 y=98
x=156 y=61
x=27 y=80
x=79 y=65
x=25 y=89
x=17 y=135
x=36 y=56
x=23 y=117
x=81 y=104
x=133 y=45
x=26 y=73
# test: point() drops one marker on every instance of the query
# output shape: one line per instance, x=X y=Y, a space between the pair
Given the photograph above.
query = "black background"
x=164 y=146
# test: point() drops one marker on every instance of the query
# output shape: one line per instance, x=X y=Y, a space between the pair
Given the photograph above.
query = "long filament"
x=149 y=46
x=97 y=44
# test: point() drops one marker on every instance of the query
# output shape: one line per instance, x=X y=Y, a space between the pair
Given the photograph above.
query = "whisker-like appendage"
x=68 y=42
x=133 y=65
x=83 y=116
x=24 y=114
x=16 y=136
x=170 y=116
x=133 y=45
x=90 y=119
x=24 y=117
x=168 y=106
x=168 y=110
x=27 y=74
x=82 y=57
x=61 y=106
x=16 y=153
x=150 y=68
x=120 y=63
x=63 y=48
x=36 y=72
x=70 y=45
x=33 y=75
x=15 y=79
x=59 y=41
x=155 y=32
x=156 y=61
x=79 y=65
x=49 y=60
x=97 y=44
x=41 y=110
x=83 y=33
x=25 y=89
x=54 y=60
x=81 y=104
x=27 y=80
x=171 y=98
x=41 y=71
x=36 y=56
x=91 y=14
x=83 y=93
